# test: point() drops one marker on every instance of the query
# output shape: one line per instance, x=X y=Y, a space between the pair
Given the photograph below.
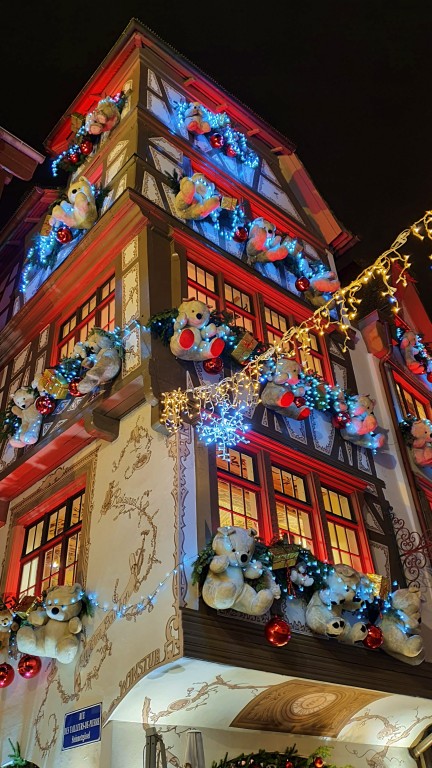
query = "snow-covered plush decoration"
x=105 y=360
x=400 y=625
x=54 y=631
x=194 y=119
x=79 y=211
x=283 y=388
x=409 y=349
x=31 y=420
x=197 y=197
x=420 y=439
x=104 y=117
x=194 y=337
x=324 y=610
x=300 y=576
x=265 y=245
x=225 y=585
x=362 y=424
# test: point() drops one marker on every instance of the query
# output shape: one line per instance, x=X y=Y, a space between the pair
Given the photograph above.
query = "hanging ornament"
x=214 y=365
x=74 y=158
x=230 y=151
x=299 y=401
x=64 y=235
x=217 y=140
x=340 y=419
x=86 y=147
x=318 y=761
x=289 y=764
x=241 y=234
x=73 y=387
x=7 y=674
x=429 y=376
x=277 y=631
x=374 y=638
x=29 y=666
x=45 y=404
x=302 y=284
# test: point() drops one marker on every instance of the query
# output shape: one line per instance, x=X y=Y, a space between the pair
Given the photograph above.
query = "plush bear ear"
x=50 y=589
x=77 y=588
x=252 y=532
x=225 y=529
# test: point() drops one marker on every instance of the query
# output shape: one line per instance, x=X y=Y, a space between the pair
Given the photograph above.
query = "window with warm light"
x=293 y=509
x=98 y=310
x=412 y=404
x=312 y=359
x=342 y=528
x=238 y=491
x=214 y=291
x=51 y=548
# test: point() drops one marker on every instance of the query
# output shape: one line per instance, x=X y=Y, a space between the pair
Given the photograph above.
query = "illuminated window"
x=343 y=532
x=294 y=513
x=238 y=491
x=411 y=405
x=276 y=325
x=51 y=548
x=98 y=310
x=241 y=306
x=313 y=358
x=202 y=285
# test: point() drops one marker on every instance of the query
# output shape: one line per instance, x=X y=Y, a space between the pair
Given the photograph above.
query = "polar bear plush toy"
x=324 y=612
x=79 y=211
x=264 y=245
x=409 y=349
x=104 y=117
x=362 y=424
x=401 y=626
x=54 y=630
x=194 y=337
x=31 y=420
x=194 y=119
x=225 y=586
x=105 y=358
x=284 y=386
x=421 y=446
x=197 y=197
x=325 y=282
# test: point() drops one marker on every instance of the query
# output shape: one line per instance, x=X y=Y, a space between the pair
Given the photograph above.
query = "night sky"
x=348 y=82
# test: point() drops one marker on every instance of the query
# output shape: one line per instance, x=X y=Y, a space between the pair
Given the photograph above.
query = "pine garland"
x=287 y=759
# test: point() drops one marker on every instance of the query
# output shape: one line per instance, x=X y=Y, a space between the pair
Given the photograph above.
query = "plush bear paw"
x=66 y=649
x=186 y=338
x=216 y=347
x=335 y=628
x=286 y=399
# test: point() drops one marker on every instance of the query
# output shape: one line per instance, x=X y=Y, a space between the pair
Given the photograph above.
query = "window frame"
x=81 y=322
x=403 y=383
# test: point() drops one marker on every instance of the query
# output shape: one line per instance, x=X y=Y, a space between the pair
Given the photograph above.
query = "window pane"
x=240 y=464
x=76 y=513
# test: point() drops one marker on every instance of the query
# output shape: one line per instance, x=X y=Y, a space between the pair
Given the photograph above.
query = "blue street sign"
x=83 y=726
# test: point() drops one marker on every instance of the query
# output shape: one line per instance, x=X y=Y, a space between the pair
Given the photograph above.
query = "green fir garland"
x=287 y=759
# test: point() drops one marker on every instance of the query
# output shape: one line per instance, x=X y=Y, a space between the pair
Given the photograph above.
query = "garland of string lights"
x=235 y=394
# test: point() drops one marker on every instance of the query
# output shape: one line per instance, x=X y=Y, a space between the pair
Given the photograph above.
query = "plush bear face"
x=287 y=371
x=361 y=405
x=408 y=340
x=342 y=588
x=421 y=431
x=262 y=231
x=204 y=188
x=6 y=619
x=237 y=543
x=197 y=313
x=98 y=341
x=63 y=603
x=23 y=398
x=408 y=602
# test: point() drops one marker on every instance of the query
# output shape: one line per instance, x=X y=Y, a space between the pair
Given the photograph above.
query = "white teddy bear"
x=421 y=435
x=104 y=117
x=325 y=608
x=194 y=119
x=409 y=349
x=7 y=624
x=54 y=630
x=105 y=361
x=225 y=586
x=197 y=197
x=194 y=337
x=79 y=211
x=300 y=576
x=362 y=423
x=31 y=420
x=264 y=245
x=280 y=392
x=400 y=626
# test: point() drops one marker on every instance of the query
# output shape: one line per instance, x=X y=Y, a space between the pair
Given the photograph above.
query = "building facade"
x=175 y=191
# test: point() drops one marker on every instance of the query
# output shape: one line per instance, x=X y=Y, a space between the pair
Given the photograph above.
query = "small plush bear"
x=197 y=197
x=299 y=575
x=283 y=388
x=31 y=420
x=194 y=119
x=7 y=625
x=105 y=361
x=53 y=631
x=324 y=612
x=326 y=282
x=362 y=423
x=400 y=626
x=104 y=117
x=225 y=585
x=409 y=349
x=79 y=211
x=264 y=244
x=194 y=337
x=421 y=446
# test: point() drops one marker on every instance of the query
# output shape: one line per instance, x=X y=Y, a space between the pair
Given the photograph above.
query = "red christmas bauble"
x=86 y=147
x=340 y=419
x=318 y=762
x=299 y=401
x=374 y=638
x=429 y=376
x=241 y=234
x=214 y=365
x=74 y=158
x=7 y=674
x=289 y=764
x=217 y=140
x=73 y=387
x=277 y=631
x=230 y=151
x=302 y=284
x=45 y=404
x=29 y=666
x=64 y=235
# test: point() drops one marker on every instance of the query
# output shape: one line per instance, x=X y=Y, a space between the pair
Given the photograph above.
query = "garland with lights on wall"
x=242 y=389
x=288 y=759
x=106 y=116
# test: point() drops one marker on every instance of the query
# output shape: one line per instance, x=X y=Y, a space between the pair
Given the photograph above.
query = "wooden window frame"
x=401 y=383
x=81 y=322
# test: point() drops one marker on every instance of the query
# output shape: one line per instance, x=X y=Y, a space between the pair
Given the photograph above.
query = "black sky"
x=349 y=82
